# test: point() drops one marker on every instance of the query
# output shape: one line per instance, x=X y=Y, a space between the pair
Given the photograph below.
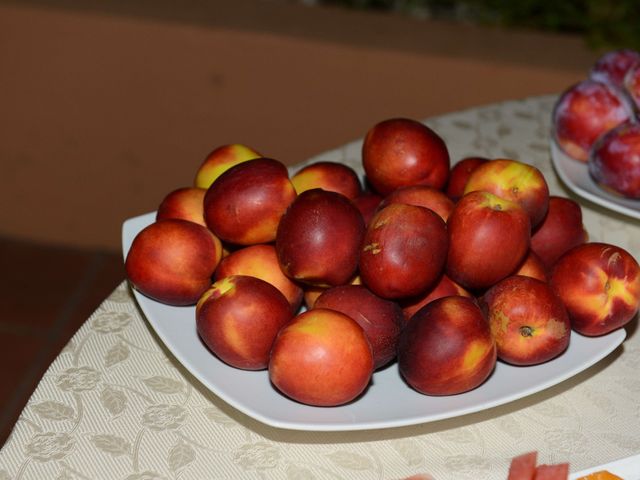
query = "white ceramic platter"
x=627 y=468
x=387 y=403
x=576 y=177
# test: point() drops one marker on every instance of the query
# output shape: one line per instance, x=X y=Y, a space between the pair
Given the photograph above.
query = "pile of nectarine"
x=596 y=121
x=446 y=270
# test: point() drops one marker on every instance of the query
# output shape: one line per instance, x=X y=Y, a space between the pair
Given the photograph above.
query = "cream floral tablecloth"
x=116 y=404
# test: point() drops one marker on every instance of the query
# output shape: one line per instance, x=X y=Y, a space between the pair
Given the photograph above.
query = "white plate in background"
x=576 y=177
x=387 y=403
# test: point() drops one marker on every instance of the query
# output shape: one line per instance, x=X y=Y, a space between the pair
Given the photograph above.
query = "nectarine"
x=319 y=237
x=186 y=203
x=515 y=181
x=489 y=238
x=446 y=348
x=331 y=176
x=321 y=357
x=260 y=261
x=172 y=261
x=380 y=319
x=599 y=285
x=585 y=111
x=528 y=320
x=221 y=159
x=398 y=152
x=244 y=205
x=560 y=230
x=238 y=318
x=403 y=251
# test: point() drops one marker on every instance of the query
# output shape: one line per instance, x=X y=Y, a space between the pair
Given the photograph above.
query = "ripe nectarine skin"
x=599 y=285
x=311 y=292
x=399 y=152
x=172 y=261
x=444 y=288
x=220 y=160
x=331 y=176
x=321 y=357
x=488 y=239
x=446 y=348
x=421 y=196
x=585 y=111
x=515 y=181
x=560 y=230
x=367 y=203
x=459 y=175
x=632 y=85
x=319 y=237
x=532 y=266
x=614 y=162
x=403 y=251
x=380 y=319
x=528 y=320
x=186 y=203
x=612 y=66
x=261 y=261
x=245 y=203
x=238 y=318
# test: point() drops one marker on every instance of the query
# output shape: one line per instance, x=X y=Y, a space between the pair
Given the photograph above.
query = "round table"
x=115 y=404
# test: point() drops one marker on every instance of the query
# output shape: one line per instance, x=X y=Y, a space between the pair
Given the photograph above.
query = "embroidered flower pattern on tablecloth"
x=47 y=446
x=257 y=456
x=111 y=322
x=164 y=417
x=78 y=379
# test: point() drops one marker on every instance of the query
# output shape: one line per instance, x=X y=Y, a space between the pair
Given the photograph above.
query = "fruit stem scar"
x=497 y=206
x=526 y=331
x=380 y=223
x=372 y=247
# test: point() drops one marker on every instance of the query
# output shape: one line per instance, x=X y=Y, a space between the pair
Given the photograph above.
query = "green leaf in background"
x=603 y=24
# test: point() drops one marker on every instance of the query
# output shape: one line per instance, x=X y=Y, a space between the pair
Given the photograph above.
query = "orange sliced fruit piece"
x=601 y=475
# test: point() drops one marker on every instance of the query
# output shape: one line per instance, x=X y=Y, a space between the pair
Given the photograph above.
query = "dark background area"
x=611 y=24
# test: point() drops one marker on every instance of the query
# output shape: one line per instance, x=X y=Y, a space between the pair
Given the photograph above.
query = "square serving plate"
x=388 y=402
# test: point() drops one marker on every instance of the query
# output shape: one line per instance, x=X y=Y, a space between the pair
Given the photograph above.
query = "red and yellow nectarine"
x=599 y=285
x=512 y=180
x=319 y=237
x=380 y=319
x=244 y=205
x=528 y=320
x=260 y=261
x=331 y=176
x=403 y=251
x=221 y=159
x=488 y=239
x=238 y=318
x=172 y=261
x=446 y=348
x=321 y=357
x=399 y=152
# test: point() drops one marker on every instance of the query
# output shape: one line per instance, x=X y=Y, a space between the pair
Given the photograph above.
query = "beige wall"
x=104 y=112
